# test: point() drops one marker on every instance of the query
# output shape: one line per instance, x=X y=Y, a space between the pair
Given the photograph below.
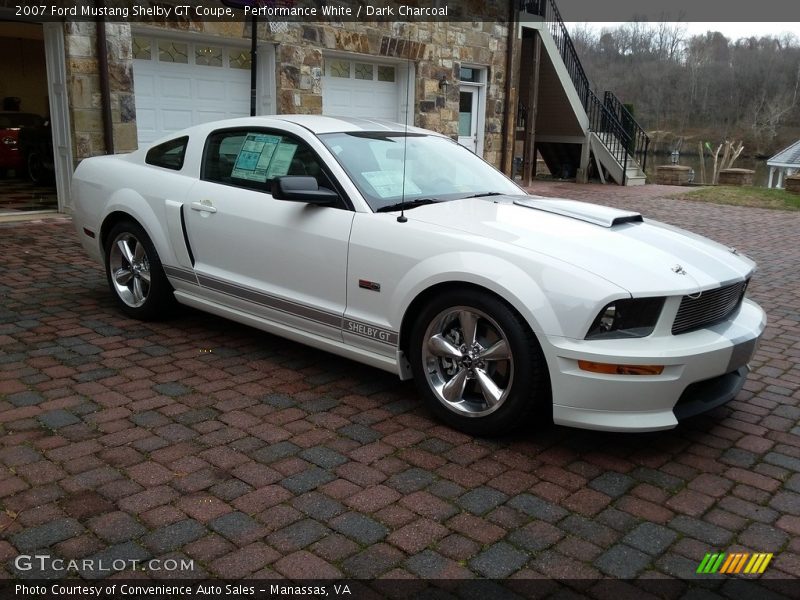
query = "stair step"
x=635 y=180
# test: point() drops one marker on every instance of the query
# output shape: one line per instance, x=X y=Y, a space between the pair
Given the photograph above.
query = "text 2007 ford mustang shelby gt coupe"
x=401 y=249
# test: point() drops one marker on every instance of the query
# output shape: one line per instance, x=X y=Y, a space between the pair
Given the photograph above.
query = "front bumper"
x=702 y=369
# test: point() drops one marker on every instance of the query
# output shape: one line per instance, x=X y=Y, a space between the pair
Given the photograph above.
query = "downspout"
x=510 y=117
x=253 y=64
x=105 y=89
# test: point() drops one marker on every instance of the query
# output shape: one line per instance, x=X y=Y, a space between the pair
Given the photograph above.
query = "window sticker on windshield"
x=390 y=183
x=253 y=160
x=281 y=160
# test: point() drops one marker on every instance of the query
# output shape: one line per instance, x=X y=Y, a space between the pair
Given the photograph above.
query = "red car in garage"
x=12 y=156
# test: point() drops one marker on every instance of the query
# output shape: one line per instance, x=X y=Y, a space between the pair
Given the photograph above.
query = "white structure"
x=786 y=162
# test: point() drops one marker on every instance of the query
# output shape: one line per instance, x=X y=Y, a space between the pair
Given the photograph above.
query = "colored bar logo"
x=735 y=563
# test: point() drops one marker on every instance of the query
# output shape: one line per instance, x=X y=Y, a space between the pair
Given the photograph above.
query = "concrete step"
x=635 y=180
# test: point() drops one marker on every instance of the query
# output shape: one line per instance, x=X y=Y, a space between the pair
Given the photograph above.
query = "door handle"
x=204 y=206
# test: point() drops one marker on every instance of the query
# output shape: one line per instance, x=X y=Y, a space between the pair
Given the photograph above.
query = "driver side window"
x=253 y=159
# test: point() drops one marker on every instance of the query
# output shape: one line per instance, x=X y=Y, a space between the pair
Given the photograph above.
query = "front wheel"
x=135 y=274
x=478 y=363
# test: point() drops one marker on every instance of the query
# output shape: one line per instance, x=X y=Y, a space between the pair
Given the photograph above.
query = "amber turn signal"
x=610 y=369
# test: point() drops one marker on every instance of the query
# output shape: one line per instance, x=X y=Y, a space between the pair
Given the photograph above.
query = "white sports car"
x=399 y=248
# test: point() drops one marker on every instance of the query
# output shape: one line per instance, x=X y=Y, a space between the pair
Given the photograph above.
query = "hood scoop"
x=590 y=213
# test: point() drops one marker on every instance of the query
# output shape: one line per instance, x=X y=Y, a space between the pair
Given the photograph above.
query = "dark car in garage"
x=26 y=145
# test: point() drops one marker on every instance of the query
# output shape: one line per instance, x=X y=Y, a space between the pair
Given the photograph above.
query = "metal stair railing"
x=640 y=141
x=603 y=121
x=609 y=131
x=558 y=31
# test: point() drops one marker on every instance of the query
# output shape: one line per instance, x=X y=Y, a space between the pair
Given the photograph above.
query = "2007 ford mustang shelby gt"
x=401 y=249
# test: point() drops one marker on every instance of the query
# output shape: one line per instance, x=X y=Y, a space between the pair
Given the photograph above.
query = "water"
x=759 y=165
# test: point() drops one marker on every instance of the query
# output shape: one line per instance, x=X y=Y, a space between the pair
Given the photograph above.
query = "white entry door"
x=472 y=107
x=468 y=117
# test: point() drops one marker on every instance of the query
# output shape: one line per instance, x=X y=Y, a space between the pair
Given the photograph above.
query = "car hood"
x=644 y=257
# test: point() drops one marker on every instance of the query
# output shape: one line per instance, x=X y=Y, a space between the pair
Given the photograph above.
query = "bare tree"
x=704 y=85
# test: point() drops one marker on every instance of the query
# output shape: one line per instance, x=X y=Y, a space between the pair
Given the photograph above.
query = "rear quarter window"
x=168 y=155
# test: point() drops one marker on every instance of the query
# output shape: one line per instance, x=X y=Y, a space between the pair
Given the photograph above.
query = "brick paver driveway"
x=201 y=439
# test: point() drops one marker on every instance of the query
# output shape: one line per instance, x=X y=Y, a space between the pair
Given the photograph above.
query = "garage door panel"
x=175 y=87
x=173 y=120
x=146 y=119
x=337 y=102
x=351 y=97
x=237 y=91
x=171 y=96
x=204 y=116
x=145 y=85
x=208 y=89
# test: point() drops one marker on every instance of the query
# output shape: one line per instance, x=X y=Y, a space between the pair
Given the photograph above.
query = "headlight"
x=9 y=141
x=626 y=318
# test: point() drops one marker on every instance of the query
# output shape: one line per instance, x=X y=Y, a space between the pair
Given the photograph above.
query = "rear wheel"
x=135 y=274
x=478 y=363
x=36 y=171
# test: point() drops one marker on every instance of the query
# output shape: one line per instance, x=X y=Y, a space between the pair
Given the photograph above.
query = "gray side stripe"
x=351 y=326
x=292 y=308
x=178 y=273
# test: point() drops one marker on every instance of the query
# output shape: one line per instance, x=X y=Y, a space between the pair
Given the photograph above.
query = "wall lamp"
x=443 y=83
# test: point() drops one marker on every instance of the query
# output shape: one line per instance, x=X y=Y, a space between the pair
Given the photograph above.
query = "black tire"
x=35 y=168
x=37 y=171
x=134 y=295
x=526 y=396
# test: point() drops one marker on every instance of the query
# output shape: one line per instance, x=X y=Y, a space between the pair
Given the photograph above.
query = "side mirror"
x=299 y=188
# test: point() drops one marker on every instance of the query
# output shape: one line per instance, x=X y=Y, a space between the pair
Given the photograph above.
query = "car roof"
x=334 y=124
x=317 y=124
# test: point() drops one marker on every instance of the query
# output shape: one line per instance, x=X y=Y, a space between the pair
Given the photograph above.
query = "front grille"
x=709 y=307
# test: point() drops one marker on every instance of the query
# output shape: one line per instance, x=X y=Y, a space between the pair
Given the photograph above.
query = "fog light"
x=610 y=369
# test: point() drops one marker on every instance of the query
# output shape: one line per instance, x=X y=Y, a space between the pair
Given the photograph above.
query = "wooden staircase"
x=617 y=142
x=613 y=162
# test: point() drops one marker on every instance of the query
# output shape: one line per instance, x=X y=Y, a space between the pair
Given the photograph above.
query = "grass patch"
x=745 y=196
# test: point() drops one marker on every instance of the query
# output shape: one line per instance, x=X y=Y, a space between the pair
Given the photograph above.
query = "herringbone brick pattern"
x=254 y=456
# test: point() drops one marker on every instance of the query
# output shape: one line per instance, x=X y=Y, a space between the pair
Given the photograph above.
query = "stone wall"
x=672 y=174
x=436 y=50
x=792 y=184
x=736 y=177
x=83 y=81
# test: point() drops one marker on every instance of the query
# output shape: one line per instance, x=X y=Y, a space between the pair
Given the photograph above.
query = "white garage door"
x=359 y=88
x=178 y=84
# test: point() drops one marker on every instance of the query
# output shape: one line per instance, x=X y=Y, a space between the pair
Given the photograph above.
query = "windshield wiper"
x=408 y=204
x=484 y=194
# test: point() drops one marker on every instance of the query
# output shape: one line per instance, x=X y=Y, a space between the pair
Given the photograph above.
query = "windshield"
x=436 y=168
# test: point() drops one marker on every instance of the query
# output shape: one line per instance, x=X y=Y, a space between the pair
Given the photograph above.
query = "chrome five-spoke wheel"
x=477 y=362
x=135 y=274
x=468 y=361
x=130 y=269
